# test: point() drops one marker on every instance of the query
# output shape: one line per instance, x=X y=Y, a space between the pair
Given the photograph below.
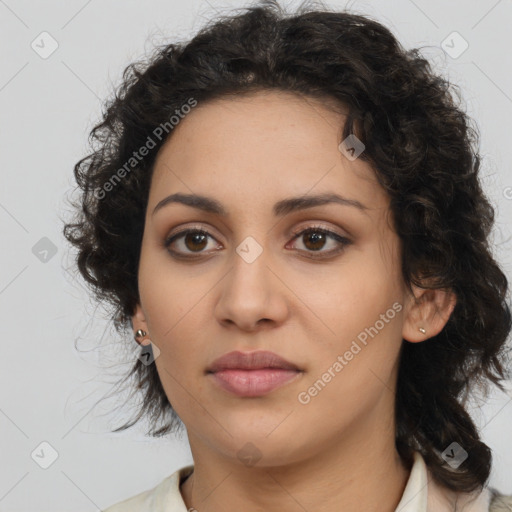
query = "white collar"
x=423 y=494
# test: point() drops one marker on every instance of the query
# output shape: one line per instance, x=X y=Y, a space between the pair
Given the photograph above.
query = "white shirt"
x=421 y=494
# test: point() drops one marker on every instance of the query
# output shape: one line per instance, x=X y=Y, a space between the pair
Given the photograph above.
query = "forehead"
x=278 y=119
x=267 y=144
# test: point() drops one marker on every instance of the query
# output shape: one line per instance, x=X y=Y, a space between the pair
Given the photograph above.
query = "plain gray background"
x=59 y=355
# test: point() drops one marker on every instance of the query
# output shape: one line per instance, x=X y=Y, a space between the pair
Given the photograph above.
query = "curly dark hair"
x=423 y=148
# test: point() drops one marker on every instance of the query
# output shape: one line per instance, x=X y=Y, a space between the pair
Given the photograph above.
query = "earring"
x=140 y=334
x=422 y=330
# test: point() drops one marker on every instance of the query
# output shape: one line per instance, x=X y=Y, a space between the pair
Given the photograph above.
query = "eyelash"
x=343 y=241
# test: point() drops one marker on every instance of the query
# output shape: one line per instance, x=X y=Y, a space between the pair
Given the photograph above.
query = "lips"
x=250 y=361
x=252 y=374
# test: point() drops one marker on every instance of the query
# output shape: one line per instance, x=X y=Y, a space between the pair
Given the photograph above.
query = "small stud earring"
x=139 y=335
x=422 y=330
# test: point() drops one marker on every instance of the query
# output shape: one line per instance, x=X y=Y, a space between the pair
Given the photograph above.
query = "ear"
x=139 y=322
x=429 y=310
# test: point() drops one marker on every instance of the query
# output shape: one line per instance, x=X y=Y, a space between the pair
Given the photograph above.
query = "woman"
x=286 y=212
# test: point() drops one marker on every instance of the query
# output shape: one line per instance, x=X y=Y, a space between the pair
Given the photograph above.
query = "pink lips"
x=252 y=374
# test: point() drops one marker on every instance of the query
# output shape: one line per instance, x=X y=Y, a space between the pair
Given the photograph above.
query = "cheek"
x=361 y=304
x=174 y=303
x=354 y=295
x=166 y=295
x=354 y=364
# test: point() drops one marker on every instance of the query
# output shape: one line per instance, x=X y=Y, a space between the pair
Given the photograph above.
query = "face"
x=319 y=286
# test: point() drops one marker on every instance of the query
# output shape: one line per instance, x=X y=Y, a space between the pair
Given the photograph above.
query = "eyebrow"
x=280 y=209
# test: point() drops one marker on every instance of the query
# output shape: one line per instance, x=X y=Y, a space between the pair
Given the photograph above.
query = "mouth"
x=251 y=383
x=252 y=374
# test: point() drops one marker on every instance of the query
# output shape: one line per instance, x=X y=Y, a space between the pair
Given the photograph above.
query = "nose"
x=252 y=294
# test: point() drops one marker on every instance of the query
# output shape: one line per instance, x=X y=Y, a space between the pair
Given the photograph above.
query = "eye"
x=315 y=238
x=193 y=240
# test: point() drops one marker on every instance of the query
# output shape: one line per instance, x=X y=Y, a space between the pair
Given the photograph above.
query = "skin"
x=248 y=153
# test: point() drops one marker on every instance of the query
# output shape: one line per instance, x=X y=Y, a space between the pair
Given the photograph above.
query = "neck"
x=361 y=474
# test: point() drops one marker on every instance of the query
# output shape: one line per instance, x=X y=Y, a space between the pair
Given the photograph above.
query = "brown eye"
x=314 y=239
x=195 y=241
x=188 y=241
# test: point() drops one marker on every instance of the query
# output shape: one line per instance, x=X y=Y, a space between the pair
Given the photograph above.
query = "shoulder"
x=165 y=496
x=485 y=499
x=500 y=502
